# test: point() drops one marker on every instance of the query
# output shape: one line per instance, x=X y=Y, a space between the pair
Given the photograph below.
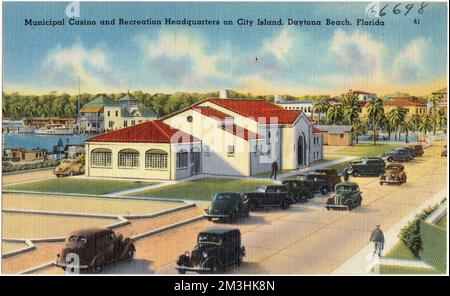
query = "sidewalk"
x=363 y=261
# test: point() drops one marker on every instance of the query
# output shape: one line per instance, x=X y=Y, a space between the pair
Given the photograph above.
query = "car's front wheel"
x=355 y=173
x=350 y=205
x=284 y=205
x=239 y=259
x=130 y=254
x=324 y=190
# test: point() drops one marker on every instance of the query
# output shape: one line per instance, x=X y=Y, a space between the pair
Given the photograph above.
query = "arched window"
x=128 y=158
x=156 y=159
x=182 y=159
x=101 y=157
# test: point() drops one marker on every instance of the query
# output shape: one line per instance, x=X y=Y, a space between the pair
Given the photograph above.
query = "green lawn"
x=366 y=149
x=202 y=189
x=400 y=251
x=78 y=185
x=391 y=269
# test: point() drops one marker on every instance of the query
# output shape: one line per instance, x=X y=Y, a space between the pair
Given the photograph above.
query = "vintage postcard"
x=289 y=138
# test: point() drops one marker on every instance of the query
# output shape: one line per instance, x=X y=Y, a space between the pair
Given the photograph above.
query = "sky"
x=296 y=60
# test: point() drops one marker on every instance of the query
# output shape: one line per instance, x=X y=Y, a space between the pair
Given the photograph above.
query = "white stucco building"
x=234 y=137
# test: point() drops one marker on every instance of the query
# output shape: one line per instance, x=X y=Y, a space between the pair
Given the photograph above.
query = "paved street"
x=306 y=239
x=28 y=176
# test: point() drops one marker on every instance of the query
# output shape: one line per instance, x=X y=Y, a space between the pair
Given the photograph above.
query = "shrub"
x=410 y=234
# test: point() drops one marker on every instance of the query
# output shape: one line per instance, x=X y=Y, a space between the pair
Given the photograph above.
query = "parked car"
x=269 y=196
x=347 y=196
x=395 y=174
x=418 y=148
x=397 y=155
x=298 y=190
x=331 y=174
x=228 y=206
x=94 y=247
x=69 y=167
x=216 y=248
x=444 y=153
x=317 y=183
x=370 y=166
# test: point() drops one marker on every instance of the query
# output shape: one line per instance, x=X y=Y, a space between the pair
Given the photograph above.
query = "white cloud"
x=182 y=55
x=280 y=45
x=64 y=64
x=409 y=65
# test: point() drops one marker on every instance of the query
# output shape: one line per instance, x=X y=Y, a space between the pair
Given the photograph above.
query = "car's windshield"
x=77 y=239
x=261 y=189
x=222 y=197
x=205 y=239
x=302 y=178
x=343 y=188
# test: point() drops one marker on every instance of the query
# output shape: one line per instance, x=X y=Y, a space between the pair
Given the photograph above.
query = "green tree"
x=351 y=107
x=406 y=127
x=359 y=128
x=374 y=111
x=434 y=100
x=335 y=114
x=320 y=107
x=396 y=117
x=426 y=124
x=441 y=118
x=415 y=121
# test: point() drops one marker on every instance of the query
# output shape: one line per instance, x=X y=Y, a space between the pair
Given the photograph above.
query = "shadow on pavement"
x=136 y=266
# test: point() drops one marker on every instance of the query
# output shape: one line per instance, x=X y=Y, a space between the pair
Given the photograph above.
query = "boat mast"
x=78 y=106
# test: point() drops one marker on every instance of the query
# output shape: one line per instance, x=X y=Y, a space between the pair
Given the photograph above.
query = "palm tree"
x=406 y=127
x=14 y=110
x=441 y=118
x=335 y=114
x=396 y=117
x=30 y=108
x=434 y=100
x=385 y=125
x=69 y=110
x=426 y=125
x=374 y=111
x=56 y=108
x=320 y=107
x=415 y=121
x=351 y=107
x=359 y=128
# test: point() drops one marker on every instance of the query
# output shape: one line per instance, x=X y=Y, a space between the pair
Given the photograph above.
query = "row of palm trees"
x=347 y=111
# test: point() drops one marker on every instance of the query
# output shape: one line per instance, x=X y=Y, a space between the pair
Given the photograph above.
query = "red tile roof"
x=404 y=102
x=259 y=110
x=154 y=131
x=211 y=112
x=316 y=130
x=360 y=92
x=240 y=132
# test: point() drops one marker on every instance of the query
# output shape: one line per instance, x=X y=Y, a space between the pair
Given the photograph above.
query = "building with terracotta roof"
x=364 y=96
x=233 y=137
x=412 y=105
x=442 y=94
x=103 y=114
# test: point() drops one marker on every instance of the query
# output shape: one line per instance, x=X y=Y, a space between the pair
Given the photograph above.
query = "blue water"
x=412 y=137
x=32 y=141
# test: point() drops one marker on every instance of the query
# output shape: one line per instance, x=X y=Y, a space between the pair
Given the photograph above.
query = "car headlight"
x=204 y=254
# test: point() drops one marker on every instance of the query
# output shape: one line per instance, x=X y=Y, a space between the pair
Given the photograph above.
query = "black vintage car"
x=347 y=196
x=317 y=183
x=298 y=190
x=228 y=206
x=93 y=248
x=269 y=196
x=398 y=154
x=331 y=174
x=370 y=166
x=216 y=248
x=411 y=150
x=418 y=148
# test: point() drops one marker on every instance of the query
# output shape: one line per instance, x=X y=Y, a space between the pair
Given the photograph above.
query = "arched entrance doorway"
x=301 y=150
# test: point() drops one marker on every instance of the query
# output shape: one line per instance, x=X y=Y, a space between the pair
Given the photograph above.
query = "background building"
x=336 y=135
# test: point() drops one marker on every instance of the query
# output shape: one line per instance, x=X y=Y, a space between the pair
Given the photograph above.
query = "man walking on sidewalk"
x=274 y=169
x=377 y=237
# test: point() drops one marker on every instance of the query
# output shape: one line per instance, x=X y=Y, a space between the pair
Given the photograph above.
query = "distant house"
x=411 y=104
x=364 y=96
x=73 y=150
x=23 y=155
x=336 y=135
x=443 y=96
x=304 y=105
x=103 y=114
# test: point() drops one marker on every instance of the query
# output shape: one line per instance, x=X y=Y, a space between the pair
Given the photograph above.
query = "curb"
x=28 y=171
x=38 y=268
x=30 y=247
x=160 y=213
x=166 y=228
